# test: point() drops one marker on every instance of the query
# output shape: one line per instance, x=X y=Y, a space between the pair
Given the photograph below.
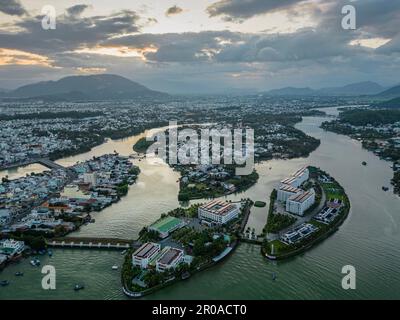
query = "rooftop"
x=219 y=207
x=145 y=250
x=301 y=197
x=170 y=255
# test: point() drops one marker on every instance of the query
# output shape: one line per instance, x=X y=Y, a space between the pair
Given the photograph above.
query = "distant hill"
x=93 y=87
x=393 y=92
x=291 y=91
x=390 y=104
x=353 y=89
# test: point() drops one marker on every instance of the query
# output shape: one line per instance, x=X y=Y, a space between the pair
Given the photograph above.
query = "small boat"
x=364 y=163
x=186 y=275
x=274 y=276
x=35 y=262
x=4 y=283
x=114 y=267
x=79 y=287
x=50 y=253
x=19 y=274
x=124 y=252
x=385 y=188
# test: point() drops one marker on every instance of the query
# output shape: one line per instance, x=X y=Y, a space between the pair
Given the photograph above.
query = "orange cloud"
x=91 y=70
x=118 y=51
x=23 y=58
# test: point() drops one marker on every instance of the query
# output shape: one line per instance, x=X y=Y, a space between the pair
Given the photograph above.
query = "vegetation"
x=373 y=117
x=396 y=182
x=277 y=221
x=52 y=115
x=259 y=204
x=142 y=145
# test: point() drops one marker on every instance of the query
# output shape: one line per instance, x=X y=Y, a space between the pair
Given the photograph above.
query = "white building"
x=285 y=191
x=90 y=178
x=299 y=203
x=169 y=258
x=297 y=178
x=142 y=256
x=218 y=211
x=11 y=247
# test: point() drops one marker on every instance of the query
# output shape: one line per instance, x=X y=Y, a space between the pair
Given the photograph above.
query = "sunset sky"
x=202 y=46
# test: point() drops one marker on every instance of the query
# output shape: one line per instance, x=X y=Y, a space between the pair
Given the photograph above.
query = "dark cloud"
x=243 y=9
x=70 y=33
x=12 y=7
x=76 y=10
x=173 y=11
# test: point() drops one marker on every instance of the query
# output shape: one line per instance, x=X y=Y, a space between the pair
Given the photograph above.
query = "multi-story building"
x=169 y=258
x=297 y=178
x=218 y=211
x=299 y=203
x=90 y=178
x=142 y=256
x=285 y=191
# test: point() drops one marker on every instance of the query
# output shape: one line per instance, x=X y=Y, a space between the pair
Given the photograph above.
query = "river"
x=369 y=239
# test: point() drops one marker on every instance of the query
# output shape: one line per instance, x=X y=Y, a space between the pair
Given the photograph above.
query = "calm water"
x=369 y=239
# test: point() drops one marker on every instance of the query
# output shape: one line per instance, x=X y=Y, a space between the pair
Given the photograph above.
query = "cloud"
x=77 y=10
x=173 y=11
x=70 y=34
x=22 y=58
x=12 y=7
x=244 y=9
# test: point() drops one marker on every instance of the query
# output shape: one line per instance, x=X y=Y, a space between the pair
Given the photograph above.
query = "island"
x=304 y=209
x=181 y=243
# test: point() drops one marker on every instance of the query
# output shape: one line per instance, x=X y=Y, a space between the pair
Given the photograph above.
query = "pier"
x=93 y=243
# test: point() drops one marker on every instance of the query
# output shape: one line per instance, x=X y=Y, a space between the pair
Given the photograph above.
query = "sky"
x=202 y=46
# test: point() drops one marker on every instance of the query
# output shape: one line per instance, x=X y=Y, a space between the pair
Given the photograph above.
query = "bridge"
x=48 y=163
x=93 y=243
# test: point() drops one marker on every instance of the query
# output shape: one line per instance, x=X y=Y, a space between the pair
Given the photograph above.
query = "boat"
x=114 y=267
x=364 y=163
x=274 y=276
x=124 y=252
x=385 y=188
x=19 y=274
x=186 y=275
x=50 y=253
x=79 y=287
x=4 y=283
x=35 y=262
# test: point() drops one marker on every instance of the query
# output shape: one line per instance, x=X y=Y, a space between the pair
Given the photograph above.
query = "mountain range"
x=79 y=88
x=353 y=89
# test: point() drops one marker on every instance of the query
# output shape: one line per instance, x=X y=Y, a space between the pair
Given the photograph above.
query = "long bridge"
x=48 y=163
x=93 y=243
x=43 y=161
